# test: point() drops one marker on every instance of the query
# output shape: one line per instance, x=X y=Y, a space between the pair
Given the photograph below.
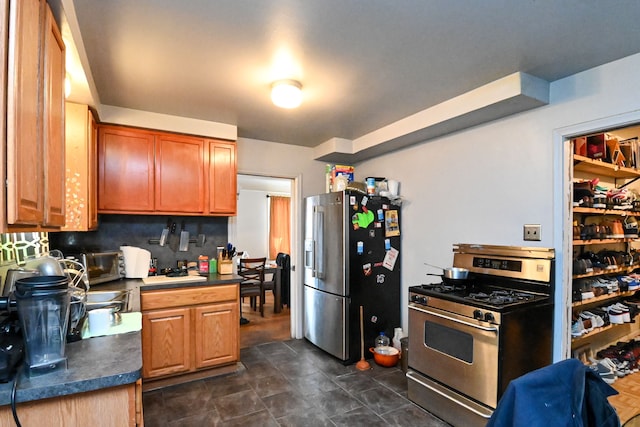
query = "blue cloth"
x=566 y=393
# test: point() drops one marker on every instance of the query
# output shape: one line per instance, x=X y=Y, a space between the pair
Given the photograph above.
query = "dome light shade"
x=286 y=93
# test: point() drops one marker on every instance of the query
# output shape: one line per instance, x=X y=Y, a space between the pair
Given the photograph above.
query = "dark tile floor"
x=289 y=383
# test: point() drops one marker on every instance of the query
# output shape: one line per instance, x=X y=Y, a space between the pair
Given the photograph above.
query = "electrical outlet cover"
x=532 y=232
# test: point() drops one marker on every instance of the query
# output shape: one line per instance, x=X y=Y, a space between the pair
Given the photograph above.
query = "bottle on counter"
x=397 y=336
x=213 y=266
x=203 y=264
x=382 y=340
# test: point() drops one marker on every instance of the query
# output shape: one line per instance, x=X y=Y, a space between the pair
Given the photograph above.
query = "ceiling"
x=363 y=64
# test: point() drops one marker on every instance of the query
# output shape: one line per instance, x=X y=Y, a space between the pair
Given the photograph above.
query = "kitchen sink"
x=118 y=299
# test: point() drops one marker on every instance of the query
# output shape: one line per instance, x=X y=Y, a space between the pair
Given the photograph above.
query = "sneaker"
x=596 y=321
x=616 y=316
x=626 y=316
x=630 y=227
x=600 y=199
x=604 y=372
x=577 y=329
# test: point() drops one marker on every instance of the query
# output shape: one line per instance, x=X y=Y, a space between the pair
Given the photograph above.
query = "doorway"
x=563 y=224
x=249 y=232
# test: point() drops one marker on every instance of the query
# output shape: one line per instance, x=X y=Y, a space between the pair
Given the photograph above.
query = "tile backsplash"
x=144 y=231
x=15 y=248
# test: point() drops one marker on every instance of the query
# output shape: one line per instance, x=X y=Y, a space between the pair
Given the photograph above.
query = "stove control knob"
x=477 y=314
x=488 y=317
x=419 y=299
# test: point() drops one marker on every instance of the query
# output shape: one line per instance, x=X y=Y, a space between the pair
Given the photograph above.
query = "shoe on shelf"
x=577 y=328
x=596 y=321
x=626 y=317
x=616 y=316
x=604 y=371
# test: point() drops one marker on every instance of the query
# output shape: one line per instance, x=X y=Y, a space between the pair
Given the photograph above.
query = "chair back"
x=252 y=270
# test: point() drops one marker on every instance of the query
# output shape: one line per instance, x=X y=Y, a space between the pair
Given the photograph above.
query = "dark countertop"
x=100 y=362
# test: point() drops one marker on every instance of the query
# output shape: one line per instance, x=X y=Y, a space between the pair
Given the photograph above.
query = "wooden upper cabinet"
x=24 y=127
x=222 y=177
x=125 y=170
x=35 y=194
x=180 y=179
x=53 y=122
x=153 y=172
x=81 y=165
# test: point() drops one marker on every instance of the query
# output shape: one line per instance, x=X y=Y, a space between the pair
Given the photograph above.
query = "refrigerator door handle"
x=318 y=250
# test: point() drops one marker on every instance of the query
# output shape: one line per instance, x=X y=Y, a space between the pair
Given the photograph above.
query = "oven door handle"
x=442 y=316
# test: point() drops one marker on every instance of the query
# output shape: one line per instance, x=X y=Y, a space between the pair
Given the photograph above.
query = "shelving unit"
x=619 y=177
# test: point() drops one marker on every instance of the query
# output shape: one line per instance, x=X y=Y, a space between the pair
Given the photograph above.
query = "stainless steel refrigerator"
x=352 y=259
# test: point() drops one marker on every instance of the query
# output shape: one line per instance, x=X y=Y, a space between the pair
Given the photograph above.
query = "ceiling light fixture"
x=286 y=93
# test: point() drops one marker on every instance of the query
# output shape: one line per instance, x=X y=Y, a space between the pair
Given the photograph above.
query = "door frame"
x=563 y=220
x=295 y=292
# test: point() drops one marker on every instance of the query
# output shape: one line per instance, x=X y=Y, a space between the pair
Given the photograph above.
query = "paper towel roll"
x=136 y=262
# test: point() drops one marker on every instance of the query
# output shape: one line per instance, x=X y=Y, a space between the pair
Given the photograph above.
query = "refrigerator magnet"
x=380 y=215
x=365 y=199
x=387 y=244
x=352 y=200
x=392 y=226
x=366 y=269
x=390 y=258
x=360 y=247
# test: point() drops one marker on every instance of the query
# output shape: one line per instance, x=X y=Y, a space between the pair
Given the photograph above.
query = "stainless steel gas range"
x=468 y=339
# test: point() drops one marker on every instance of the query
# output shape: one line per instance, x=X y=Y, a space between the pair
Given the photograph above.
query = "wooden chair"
x=252 y=272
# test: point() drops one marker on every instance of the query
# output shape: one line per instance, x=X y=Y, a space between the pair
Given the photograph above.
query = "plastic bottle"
x=397 y=335
x=382 y=340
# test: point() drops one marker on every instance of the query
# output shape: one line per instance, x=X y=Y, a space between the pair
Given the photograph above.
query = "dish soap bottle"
x=382 y=340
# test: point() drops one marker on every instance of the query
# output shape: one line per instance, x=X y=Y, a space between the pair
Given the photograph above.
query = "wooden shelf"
x=601 y=242
x=596 y=211
x=601 y=298
x=599 y=167
x=627 y=269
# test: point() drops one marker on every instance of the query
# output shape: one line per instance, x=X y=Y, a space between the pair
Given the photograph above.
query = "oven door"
x=459 y=352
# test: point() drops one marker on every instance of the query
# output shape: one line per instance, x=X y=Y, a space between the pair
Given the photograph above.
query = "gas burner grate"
x=442 y=288
x=500 y=297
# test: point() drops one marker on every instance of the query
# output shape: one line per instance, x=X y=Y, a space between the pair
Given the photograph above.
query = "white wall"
x=481 y=185
x=252 y=223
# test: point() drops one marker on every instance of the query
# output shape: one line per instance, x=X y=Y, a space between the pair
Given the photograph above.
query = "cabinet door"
x=53 y=124
x=92 y=172
x=166 y=342
x=222 y=177
x=216 y=334
x=126 y=170
x=24 y=127
x=179 y=174
x=80 y=167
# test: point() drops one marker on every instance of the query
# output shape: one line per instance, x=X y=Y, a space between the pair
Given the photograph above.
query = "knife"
x=173 y=238
x=184 y=239
x=165 y=233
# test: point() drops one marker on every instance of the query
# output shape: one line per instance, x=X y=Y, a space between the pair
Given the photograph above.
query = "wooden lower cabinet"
x=110 y=407
x=167 y=333
x=189 y=329
x=216 y=334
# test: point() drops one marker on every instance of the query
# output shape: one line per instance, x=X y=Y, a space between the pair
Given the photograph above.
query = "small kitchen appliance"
x=43 y=309
x=102 y=267
x=469 y=340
